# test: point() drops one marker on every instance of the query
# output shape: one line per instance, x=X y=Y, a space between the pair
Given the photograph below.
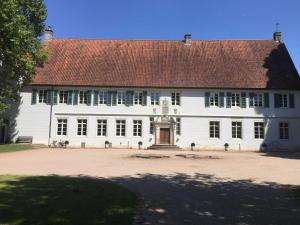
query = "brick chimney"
x=277 y=37
x=187 y=39
x=48 y=33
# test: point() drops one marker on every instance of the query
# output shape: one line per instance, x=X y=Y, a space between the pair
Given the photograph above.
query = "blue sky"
x=171 y=19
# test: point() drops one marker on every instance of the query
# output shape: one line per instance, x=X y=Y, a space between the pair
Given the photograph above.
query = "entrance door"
x=165 y=135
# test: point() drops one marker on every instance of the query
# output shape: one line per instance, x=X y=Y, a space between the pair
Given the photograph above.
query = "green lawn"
x=14 y=147
x=53 y=200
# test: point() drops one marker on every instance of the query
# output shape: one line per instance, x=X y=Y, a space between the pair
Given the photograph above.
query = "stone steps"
x=164 y=147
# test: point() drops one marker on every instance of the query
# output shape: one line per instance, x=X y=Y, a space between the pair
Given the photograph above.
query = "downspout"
x=50 y=116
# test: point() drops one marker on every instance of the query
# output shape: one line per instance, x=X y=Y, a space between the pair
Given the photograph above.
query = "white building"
x=243 y=93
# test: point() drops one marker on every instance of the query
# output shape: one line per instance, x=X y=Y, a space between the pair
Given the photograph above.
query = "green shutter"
x=114 y=98
x=292 y=100
x=89 y=97
x=109 y=98
x=33 y=96
x=251 y=99
x=70 y=97
x=75 y=97
x=129 y=98
x=222 y=98
x=244 y=100
x=49 y=97
x=96 y=97
x=207 y=94
x=228 y=99
x=55 y=97
x=144 y=98
x=266 y=100
x=276 y=100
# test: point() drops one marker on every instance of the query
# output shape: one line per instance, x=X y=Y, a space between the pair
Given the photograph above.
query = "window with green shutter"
x=129 y=98
x=114 y=98
x=251 y=99
x=222 y=99
x=33 y=96
x=70 y=97
x=49 y=97
x=207 y=95
x=291 y=100
x=75 y=97
x=228 y=99
x=89 y=97
x=144 y=98
x=96 y=97
x=266 y=100
x=55 y=97
x=244 y=100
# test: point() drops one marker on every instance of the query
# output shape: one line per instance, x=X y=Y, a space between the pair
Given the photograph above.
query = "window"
x=178 y=126
x=214 y=99
x=235 y=99
x=137 y=128
x=101 y=127
x=43 y=96
x=121 y=128
x=214 y=129
x=175 y=98
x=62 y=127
x=63 y=97
x=259 y=130
x=154 y=98
x=138 y=98
x=121 y=98
x=151 y=125
x=83 y=97
x=103 y=97
x=283 y=100
x=284 y=130
x=258 y=100
x=236 y=129
x=81 y=127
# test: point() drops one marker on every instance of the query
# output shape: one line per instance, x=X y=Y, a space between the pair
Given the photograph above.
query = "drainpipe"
x=50 y=116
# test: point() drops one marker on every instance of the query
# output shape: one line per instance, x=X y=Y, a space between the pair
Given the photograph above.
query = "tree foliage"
x=21 y=51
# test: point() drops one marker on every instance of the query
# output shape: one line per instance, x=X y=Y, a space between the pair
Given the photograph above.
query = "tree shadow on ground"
x=57 y=200
x=285 y=155
x=205 y=199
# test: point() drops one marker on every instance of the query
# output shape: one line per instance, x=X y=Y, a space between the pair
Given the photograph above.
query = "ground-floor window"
x=62 y=127
x=82 y=127
x=101 y=127
x=259 y=130
x=236 y=129
x=284 y=130
x=121 y=127
x=178 y=126
x=151 y=125
x=137 y=128
x=214 y=129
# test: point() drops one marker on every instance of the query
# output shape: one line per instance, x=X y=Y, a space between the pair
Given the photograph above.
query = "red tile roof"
x=162 y=64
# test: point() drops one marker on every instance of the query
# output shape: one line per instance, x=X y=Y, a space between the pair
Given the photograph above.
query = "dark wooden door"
x=165 y=135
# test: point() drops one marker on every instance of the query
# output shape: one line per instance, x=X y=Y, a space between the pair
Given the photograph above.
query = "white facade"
x=34 y=120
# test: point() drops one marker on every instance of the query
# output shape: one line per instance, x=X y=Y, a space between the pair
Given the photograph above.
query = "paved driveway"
x=194 y=188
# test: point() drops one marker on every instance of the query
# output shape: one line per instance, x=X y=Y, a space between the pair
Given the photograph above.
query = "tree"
x=21 y=51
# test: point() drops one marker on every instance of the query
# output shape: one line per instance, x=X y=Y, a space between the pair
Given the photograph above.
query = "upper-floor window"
x=175 y=97
x=82 y=127
x=235 y=99
x=43 y=94
x=103 y=97
x=121 y=98
x=63 y=97
x=137 y=128
x=236 y=129
x=214 y=99
x=258 y=100
x=62 y=127
x=154 y=98
x=259 y=130
x=214 y=129
x=121 y=128
x=83 y=97
x=284 y=130
x=138 y=98
x=283 y=100
x=101 y=127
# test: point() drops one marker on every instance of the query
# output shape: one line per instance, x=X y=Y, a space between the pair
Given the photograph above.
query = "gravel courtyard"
x=183 y=187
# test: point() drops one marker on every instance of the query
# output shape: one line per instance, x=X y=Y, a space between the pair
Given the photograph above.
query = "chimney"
x=277 y=37
x=48 y=33
x=187 y=39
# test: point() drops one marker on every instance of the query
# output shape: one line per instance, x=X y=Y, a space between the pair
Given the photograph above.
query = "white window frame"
x=42 y=96
x=121 y=128
x=283 y=100
x=286 y=136
x=62 y=127
x=81 y=131
x=212 y=129
x=137 y=127
x=102 y=126
x=63 y=96
x=235 y=135
x=103 y=97
x=236 y=99
x=257 y=130
x=83 y=97
x=121 y=98
x=176 y=98
x=258 y=100
x=214 y=99
x=138 y=98
x=155 y=98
